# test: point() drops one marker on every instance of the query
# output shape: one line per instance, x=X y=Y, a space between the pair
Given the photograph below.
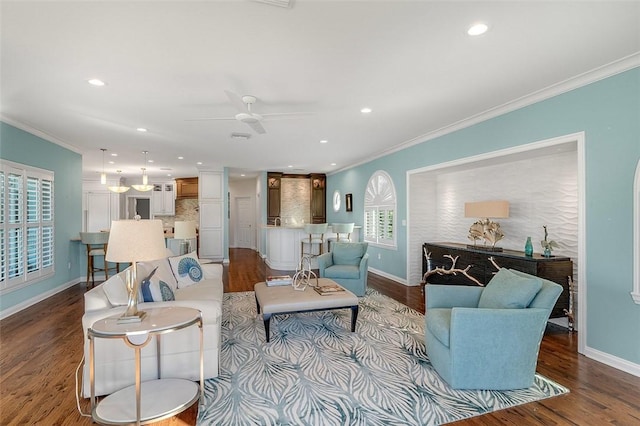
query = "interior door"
x=245 y=223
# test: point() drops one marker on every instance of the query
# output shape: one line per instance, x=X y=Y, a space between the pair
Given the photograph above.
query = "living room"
x=595 y=108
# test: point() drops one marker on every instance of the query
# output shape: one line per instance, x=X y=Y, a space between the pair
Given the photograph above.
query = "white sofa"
x=180 y=350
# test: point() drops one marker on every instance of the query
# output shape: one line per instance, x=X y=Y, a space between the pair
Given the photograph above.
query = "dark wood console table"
x=481 y=269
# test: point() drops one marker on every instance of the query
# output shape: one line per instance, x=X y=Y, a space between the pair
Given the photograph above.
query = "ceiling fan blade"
x=257 y=127
x=285 y=115
x=210 y=118
x=236 y=101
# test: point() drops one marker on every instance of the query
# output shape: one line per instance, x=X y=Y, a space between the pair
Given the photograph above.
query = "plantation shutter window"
x=26 y=225
x=379 y=210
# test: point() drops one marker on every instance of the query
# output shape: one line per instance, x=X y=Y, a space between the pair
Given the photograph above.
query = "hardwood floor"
x=41 y=347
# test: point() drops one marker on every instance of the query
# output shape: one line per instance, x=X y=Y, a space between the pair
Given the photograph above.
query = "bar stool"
x=314 y=235
x=343 y=233
x=96 y=243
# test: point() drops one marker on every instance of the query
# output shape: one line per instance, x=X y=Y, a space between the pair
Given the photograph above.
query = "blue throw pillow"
x=507 y=290
x=155 y=290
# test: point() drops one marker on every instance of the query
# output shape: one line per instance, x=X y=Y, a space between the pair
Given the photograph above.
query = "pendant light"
x=103 y=175
x=145 y=180
x=120 y=188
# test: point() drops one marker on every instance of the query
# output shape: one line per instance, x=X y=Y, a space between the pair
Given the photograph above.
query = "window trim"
x=373 y=205
x=26 y=223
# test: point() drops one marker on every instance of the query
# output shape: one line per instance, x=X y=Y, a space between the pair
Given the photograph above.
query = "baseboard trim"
x=613 y=361
x=38 y=298
x=402 y=281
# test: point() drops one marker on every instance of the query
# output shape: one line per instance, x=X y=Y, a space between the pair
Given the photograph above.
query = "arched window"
x=380 y=210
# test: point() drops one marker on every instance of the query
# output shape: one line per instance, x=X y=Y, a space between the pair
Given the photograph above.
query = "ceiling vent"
x=244 y=136
x=280 y=3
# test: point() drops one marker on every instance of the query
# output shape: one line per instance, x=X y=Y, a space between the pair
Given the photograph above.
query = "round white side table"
x=154 y=399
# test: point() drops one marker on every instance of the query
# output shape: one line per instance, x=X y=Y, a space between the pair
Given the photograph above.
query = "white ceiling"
x=165 y=62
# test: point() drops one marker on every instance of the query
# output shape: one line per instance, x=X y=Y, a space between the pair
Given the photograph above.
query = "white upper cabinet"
x=163 y=199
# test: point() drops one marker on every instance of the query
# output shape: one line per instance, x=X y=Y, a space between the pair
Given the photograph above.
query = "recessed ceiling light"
x=180 y=158
x=242 y=175
x=324 y=141
x=141 y=129
x=113 y=154
x=290 y=166
x=333 y=164
x=365 y=110
x=96 y=82
x=169 y=174
x=477 y=29
x=150 y=161
x=199 y=163
x=112 y=162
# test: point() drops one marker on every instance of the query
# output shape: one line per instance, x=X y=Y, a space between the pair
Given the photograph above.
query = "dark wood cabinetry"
x=318 y=207
x=481 y=268
x=274 y=183
x=187 y=187
x=318 y=198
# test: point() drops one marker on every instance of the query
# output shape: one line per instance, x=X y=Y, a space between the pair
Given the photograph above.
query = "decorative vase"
x=547 y=252
x=528 y=247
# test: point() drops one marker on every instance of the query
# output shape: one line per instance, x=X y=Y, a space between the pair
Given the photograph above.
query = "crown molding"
x=619 y=66
x=39 y=133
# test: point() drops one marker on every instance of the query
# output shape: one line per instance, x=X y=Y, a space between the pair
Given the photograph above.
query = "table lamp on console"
x=184 y=230
x=485 y=228
x=132 y=241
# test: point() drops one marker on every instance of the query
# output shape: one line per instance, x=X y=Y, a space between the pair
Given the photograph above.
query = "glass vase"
x=528 y=247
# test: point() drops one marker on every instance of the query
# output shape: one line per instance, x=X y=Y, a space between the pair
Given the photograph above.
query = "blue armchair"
x=488 y=337
x=347 y=264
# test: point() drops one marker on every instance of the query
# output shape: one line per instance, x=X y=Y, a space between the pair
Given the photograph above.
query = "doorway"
x=245 y=237
x=138 y=206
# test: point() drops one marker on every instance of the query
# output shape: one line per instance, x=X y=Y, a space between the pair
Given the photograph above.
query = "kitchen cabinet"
x=274 y=183
x=211 y=204
x=187 y=187
x=163 y=199
x=318 y=198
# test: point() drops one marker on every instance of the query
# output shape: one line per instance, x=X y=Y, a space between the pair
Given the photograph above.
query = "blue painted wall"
x=608 y=111
x=22 y=147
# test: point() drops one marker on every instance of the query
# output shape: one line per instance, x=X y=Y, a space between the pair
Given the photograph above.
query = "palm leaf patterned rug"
x=316 y=372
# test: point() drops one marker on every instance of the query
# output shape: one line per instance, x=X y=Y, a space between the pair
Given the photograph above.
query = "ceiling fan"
x=246 y=116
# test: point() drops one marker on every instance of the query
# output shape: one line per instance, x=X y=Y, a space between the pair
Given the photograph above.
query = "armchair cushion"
x=345 y=271
x=116 y=290
x=439 y=324
x=507 y=290
x=348 y=253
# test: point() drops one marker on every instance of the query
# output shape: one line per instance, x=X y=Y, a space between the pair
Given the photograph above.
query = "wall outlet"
x=379 y=256
x=69 y=265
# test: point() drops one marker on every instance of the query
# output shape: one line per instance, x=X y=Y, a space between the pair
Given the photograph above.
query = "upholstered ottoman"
x=284 y=299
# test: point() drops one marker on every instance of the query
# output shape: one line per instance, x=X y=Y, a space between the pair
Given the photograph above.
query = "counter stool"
x=343 y=233
x=314 y=236
x=96 y=243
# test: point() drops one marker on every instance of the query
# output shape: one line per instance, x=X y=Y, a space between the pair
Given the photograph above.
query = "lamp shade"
x=487 y=209
x=184 y=229
x=136 y=241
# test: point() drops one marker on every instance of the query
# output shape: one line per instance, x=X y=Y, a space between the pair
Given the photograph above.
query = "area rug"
x=316 y=372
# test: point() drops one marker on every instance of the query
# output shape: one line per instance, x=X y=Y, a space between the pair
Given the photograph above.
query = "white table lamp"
x=132 y=241
x=184 y=230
